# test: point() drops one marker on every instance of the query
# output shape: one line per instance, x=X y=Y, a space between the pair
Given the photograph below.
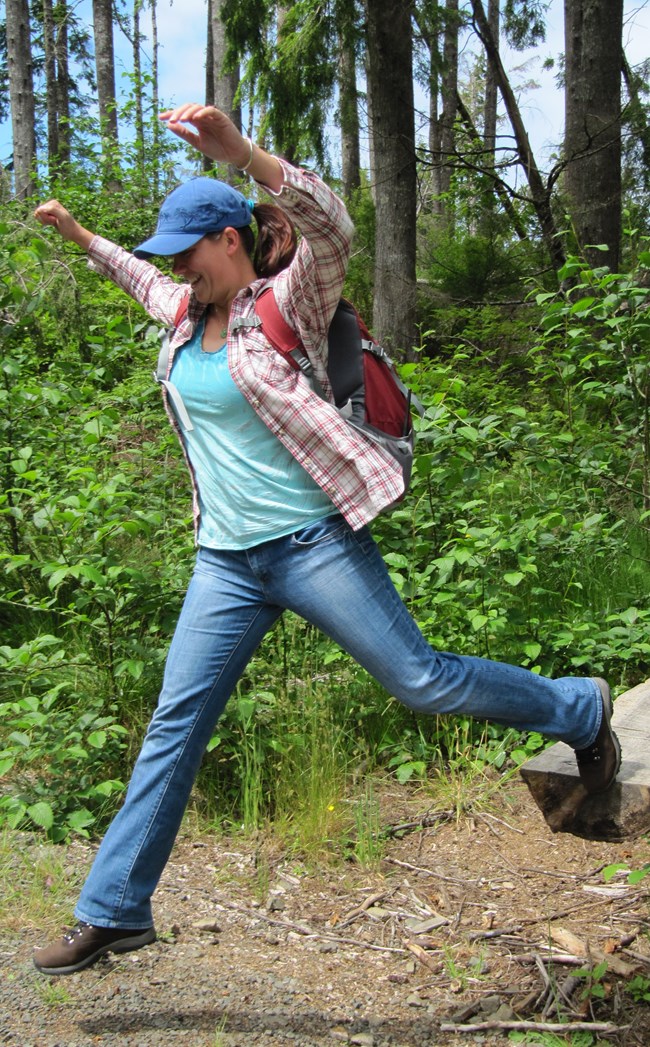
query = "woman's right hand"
x=55 y=214
x=214 y=134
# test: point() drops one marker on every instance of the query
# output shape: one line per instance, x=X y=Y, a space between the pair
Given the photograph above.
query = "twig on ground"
x=639 y=957
x=509 y=932
x=493 y=818
x=426 y=872
x=552 y=957
x=425 y=958
x=428 y=821
x=359 y=909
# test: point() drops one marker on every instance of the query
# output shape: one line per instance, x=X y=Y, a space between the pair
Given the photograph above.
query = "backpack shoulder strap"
x=160 y=374
x=275 y=327
x=163 y=355
x=283 y=338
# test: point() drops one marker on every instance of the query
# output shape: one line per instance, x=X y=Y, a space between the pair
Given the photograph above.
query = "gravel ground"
x=255 y=948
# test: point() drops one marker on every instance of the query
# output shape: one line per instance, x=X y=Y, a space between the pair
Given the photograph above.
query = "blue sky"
x=182 y=30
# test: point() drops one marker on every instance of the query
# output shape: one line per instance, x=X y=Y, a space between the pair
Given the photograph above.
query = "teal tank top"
x=251 y=489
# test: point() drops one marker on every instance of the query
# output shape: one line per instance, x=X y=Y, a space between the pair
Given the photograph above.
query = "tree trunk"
x=206 y=163
x=448 y=114
x=62 y=80
x=224 y=82
x=138 y=89
x=430 y=32
x=490 y=106
x=21 y=94
x=540 y=193
x=372 y=154
x=105 y=69
x=51 y=89
x=349 y=117
x=636 y=116
x=155 y=99
x=593 y=31
x=209 y=60
x=390 y=85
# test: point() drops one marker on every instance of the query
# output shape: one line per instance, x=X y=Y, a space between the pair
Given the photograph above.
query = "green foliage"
x=582 y=1038
x=633 y=876
x=594 y=989
x=289 y=71
x=56 y=751
x=524 y=22
x=639 y=989
x=524 y=538
x=358 y=283
x=474 y=266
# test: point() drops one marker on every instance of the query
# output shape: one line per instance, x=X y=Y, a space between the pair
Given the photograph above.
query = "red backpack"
x=367 y=391
x=366 y=388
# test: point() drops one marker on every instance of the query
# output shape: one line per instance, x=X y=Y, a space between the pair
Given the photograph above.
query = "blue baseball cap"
x=200 y=206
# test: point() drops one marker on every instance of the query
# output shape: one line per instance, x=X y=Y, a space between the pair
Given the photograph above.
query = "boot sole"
x=608 y=711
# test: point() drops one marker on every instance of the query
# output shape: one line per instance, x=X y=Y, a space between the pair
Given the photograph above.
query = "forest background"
x=515 y=296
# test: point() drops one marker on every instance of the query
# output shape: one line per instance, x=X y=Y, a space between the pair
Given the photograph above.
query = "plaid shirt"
x=361 y=478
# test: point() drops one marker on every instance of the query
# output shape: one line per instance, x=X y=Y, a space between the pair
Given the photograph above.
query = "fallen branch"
x=639 y=957
x=566 y=1028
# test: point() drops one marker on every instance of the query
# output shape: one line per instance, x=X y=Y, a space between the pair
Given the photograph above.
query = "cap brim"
x=166 y=244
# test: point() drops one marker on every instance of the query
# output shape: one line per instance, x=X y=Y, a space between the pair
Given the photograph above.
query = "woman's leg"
x=336 y=579
x=223 y=619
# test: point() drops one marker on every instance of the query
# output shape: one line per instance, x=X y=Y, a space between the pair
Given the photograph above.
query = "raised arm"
x=55 y=214
x=216 y=136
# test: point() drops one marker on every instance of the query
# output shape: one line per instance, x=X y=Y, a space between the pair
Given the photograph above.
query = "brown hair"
x=275 y=244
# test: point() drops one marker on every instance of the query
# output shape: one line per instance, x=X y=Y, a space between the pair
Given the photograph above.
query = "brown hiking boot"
x=84 y=944
x=599 y=764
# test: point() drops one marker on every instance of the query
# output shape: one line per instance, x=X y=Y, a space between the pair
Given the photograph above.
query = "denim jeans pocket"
x=329 y=528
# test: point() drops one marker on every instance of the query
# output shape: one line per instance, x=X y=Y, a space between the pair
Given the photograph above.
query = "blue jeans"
x=336 y=579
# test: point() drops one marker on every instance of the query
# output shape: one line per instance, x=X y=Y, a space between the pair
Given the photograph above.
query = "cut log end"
x=623 y=812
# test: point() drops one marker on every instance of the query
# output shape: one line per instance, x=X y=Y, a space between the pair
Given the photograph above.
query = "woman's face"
x=203 y=266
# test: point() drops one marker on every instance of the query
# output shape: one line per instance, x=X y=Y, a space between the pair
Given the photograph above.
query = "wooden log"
x=624 y=810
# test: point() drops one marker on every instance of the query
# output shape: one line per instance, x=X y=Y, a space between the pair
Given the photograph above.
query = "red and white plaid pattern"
x=361 y=478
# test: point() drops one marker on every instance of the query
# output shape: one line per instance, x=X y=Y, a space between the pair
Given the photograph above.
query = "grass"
x=38 y=887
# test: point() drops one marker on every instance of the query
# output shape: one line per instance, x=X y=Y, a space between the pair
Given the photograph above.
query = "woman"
x=284 y=490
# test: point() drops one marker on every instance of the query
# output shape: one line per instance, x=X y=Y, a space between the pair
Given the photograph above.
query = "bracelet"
x=244 y=169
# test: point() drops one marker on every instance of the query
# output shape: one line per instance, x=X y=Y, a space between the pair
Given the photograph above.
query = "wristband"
x=244 y=169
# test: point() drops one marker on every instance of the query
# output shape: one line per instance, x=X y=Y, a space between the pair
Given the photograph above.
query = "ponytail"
x=276 y=242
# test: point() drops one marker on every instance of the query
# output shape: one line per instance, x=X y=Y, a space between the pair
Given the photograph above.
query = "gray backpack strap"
x=160 y=376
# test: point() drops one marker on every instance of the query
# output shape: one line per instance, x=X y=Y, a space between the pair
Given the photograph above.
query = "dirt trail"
x=453 y=927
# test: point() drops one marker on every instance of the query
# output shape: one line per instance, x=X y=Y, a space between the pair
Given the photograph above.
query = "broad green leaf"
x=532 y=650
x=97 y=739
x=42 y=814
x=80 y=819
